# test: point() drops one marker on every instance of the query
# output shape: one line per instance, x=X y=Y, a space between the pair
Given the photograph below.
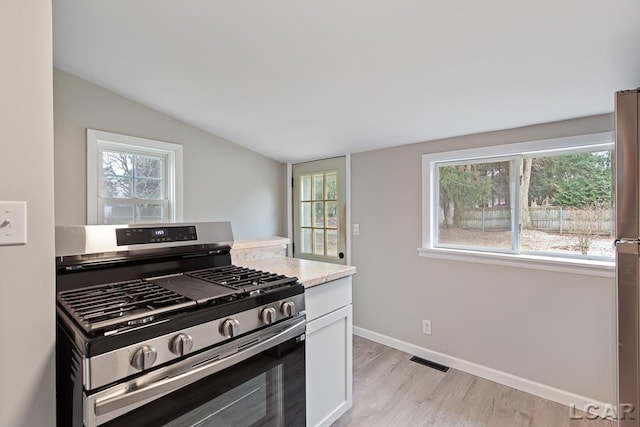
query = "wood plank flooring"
x=389 y=390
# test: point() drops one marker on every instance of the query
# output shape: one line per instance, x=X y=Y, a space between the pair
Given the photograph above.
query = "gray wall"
x=222 y=181
x=550 y=327
x=27 y=317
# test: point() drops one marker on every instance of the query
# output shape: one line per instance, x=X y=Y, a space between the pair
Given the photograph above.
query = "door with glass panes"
x=319 y=210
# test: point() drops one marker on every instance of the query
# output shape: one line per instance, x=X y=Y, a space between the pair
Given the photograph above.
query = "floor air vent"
x=430 y=364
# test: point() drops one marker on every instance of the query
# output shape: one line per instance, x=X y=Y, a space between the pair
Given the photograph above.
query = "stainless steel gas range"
x=155 y=327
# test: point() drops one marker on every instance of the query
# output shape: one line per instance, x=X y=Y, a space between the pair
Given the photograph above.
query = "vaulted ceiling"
x=299 y=79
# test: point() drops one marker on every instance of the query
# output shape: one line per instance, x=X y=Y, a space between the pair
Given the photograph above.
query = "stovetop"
x=106 y=307
x=125 y=303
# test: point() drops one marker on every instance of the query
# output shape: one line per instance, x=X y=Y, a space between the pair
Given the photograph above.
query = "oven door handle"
x=120 y=399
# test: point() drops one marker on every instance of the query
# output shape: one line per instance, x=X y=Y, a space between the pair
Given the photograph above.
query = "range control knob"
x=230 y=328
x=181 y=344
x=144 y=357
x=268 y=315
x=288 y=308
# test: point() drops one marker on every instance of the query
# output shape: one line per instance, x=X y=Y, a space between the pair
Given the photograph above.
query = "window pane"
x=305 y=214
x=305 y=187
x=149 y=166
x=475 y=205
x=331 y=183
x=149 y=212
x=118 y=213
x=332 y=242
x=116 y=187
x=120 y=164
x=318 y=187
x=148 y=188
x=318 y=214
x=332 y=214
x=567 y=204
x=306 y=240
x=318 y=242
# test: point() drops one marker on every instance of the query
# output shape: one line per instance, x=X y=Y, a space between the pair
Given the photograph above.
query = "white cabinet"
x=329 y=351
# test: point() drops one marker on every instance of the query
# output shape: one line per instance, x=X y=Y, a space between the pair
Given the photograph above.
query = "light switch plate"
x=13 y=223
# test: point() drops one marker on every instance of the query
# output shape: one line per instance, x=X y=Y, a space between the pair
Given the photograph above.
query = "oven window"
x=244 y=405
x=265 y=390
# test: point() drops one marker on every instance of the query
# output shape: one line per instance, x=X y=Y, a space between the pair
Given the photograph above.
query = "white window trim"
x=97 y=139
x=539 y=262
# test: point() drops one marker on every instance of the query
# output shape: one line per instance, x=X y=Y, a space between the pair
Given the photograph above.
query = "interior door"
x=319 y=210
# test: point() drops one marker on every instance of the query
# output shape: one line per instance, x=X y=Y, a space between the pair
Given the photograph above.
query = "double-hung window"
x=132 y=180
x=548 y=200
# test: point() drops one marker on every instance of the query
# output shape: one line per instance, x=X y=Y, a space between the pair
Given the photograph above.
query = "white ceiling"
x=300 y=79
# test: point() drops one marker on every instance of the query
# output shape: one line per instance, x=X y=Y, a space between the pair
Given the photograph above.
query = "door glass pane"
x=318 y=187
x=332 y=242
x=318 y=214
x=332 y=214
x=306 y=240
x=305 y=214
x=318 y=242
x=118 y=213
x=331 y=183
x=305 y=187
x=475 y=205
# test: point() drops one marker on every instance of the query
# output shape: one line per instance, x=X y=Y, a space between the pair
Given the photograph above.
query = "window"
x=476 y=203
x=319 y=213
x=549 y=199
x=132 y=180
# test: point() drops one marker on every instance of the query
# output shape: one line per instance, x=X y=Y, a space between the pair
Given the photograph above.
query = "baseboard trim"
x=538 y=389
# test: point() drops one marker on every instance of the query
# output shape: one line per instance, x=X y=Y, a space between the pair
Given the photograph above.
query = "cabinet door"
x=329 y=367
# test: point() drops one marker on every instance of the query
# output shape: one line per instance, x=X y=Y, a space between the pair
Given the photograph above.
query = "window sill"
x=536 y=262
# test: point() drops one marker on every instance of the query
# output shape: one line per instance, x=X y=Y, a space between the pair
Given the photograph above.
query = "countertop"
x=310 y=273
x=252 y=244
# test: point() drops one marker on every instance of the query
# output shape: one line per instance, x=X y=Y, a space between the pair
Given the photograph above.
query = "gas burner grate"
x=243 y=279
x=123 y=303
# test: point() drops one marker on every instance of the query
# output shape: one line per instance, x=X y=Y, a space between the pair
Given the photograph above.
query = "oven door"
x=256 y=380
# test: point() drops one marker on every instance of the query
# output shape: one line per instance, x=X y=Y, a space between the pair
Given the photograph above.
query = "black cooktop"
x=138 y=302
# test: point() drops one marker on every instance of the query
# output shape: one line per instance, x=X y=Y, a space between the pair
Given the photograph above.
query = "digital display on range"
x=146 y=235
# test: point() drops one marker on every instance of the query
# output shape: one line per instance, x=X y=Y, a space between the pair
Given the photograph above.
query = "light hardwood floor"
x=389 y=390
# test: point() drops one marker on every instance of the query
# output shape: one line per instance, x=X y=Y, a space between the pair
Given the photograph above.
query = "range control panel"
x=144 y=235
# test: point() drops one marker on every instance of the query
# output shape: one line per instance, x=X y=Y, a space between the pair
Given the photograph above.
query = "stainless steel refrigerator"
x=627 y=255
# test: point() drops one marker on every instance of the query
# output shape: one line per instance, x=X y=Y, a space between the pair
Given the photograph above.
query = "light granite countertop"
x=251 y=244
x=310 y=273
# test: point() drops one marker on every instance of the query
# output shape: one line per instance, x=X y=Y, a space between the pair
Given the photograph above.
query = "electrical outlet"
x=356 y=229
x=426 y=327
